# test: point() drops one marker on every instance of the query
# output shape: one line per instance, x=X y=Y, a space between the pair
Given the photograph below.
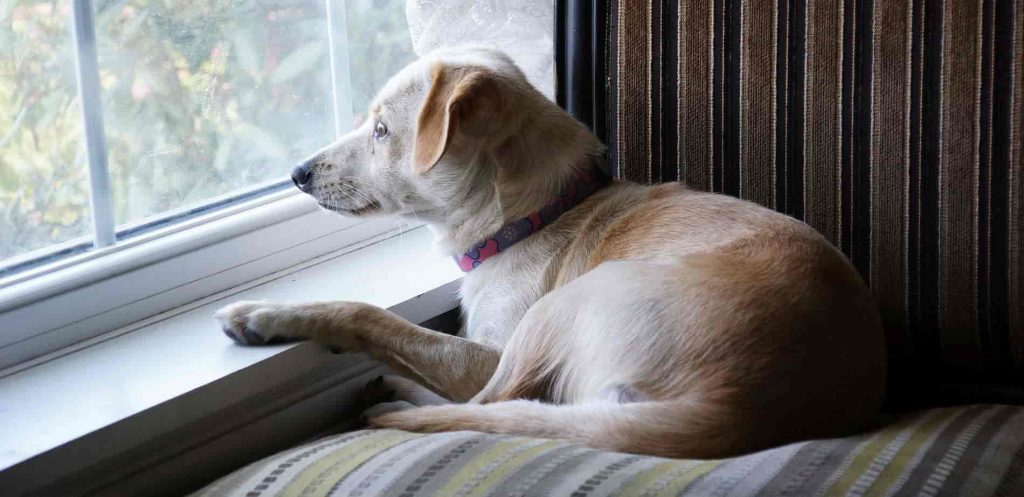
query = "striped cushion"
x=974 y=450
x=895 y=128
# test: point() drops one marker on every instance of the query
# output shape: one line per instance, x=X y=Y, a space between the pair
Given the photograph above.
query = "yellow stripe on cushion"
x=475 y=465
x=869 y=452
x=499 y=473
x=684 y=480
x=643 y=481
x=895 y=469
x=341 y=462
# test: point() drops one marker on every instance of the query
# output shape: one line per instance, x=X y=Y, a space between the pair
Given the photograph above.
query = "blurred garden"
x=200 y=98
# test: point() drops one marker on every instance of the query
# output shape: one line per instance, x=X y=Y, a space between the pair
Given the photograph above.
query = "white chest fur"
x=497 y=294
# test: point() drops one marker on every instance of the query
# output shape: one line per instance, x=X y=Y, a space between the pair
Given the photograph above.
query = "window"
x=145 y=146
x=184 y=108
x=145 y=149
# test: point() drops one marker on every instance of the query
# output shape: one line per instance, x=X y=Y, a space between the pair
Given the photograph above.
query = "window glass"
x=44 y=196
x=200 y=100
x=379 y=46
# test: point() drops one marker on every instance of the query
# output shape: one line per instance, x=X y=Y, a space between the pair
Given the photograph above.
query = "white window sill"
x=123 y=374
x=59 y=305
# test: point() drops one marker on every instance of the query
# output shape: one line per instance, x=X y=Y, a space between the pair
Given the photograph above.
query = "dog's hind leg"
x=661 y=428
x=603 y=361
x=604 y=336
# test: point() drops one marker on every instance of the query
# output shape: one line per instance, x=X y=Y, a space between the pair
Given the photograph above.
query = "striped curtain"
x=892 y=127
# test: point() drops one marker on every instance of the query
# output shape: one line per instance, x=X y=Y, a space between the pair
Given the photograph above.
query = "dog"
x=646 y=319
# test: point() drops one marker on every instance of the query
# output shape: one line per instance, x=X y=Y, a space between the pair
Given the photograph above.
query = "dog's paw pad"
x=255 y=323
x=246 y=336
x=253 y=338
x=278 y=339
x=231 y=334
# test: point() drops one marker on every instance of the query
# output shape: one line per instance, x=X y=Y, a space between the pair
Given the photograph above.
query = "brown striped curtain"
x=892 y=127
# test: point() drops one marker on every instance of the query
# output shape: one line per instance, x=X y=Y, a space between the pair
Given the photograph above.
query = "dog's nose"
x=302 y=175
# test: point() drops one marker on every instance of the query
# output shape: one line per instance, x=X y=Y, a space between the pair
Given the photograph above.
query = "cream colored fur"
x=656 y=320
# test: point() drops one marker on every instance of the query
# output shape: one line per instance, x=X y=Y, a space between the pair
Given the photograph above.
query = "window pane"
x=201 y=99
x=379 y=46
x=44 y=197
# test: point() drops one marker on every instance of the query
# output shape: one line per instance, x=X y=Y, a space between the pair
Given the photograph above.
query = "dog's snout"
x=301 y=176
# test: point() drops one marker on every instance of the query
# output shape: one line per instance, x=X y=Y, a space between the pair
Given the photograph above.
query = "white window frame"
x=121 y=280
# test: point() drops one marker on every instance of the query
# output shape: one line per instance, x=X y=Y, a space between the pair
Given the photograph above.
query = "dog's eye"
x=380 y=131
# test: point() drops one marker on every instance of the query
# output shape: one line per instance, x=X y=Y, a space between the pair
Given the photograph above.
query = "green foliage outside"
x=200 y=98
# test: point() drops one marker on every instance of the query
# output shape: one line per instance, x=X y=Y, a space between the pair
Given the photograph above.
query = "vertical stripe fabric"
x=757 y=102
x=892 y=127
x=958 y=182
x=889 y=154
x=633 y=122
x=972 y=450
x=822 y=106
x=694 y=110
x=1014 y=221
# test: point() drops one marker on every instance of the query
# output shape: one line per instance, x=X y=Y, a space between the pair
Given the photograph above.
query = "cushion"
x=973 y=450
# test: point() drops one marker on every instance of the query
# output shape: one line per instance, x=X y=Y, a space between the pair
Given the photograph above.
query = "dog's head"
x=458 y=131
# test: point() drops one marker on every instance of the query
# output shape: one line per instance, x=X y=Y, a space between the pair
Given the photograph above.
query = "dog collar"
x=575 y=193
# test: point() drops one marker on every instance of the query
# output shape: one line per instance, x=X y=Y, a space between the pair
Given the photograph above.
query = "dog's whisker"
x=406 y=223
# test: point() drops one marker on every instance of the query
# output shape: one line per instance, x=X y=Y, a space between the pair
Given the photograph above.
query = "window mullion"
x=87 y=66
x=341 y=72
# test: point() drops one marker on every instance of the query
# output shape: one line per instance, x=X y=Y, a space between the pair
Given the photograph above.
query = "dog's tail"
x=662 y=428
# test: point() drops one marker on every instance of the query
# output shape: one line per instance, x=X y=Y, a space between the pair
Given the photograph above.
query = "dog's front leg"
x=451 y=366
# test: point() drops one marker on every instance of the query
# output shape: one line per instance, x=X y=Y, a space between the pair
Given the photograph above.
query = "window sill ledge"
x=179 y=368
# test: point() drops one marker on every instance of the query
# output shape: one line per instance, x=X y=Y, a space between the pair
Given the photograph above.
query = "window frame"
x=65 y=294
x=45 y=316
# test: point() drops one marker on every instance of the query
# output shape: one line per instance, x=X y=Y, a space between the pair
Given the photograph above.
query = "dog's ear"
x=460 y=100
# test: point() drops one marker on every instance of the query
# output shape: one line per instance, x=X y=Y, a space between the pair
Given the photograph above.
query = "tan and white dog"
x=647 y=319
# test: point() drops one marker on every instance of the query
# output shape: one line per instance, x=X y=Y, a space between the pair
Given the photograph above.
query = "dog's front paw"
x=258 y=323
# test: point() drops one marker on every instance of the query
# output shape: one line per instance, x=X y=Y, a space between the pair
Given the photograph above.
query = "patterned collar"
x=587 y=182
